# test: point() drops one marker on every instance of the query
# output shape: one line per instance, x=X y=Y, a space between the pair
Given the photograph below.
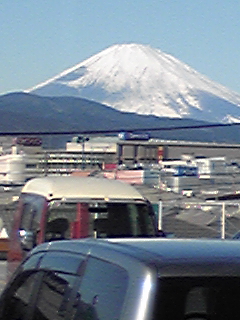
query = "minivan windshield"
x=213 y=298
x=104 y=220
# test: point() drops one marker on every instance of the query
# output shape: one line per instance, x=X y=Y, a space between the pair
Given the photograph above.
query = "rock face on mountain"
x=139 y=79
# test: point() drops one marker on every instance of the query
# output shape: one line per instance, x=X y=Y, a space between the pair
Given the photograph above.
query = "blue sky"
x=40 y=39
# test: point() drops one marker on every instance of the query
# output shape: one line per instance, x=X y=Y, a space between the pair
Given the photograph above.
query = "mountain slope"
x=22 y=112
x=143 y=80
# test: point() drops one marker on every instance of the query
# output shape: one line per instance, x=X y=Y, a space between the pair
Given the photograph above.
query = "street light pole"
x=82 y=140
x=83 y=153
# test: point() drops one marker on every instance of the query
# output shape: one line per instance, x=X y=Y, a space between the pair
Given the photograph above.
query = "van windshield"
x=213 y=298
x=100 y=220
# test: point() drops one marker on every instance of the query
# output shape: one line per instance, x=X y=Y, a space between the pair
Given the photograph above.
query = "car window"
x=60 y=219
x=32 y=261
x=102 y=291
x=18 y=300
x=41 y=295
x=130 y=220
x=32 y=209
x=198 y=298
x=121 y=220
x=62 y=261
x=54 y=296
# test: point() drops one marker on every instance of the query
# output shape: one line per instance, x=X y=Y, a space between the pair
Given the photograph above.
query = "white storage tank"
x=12 y=169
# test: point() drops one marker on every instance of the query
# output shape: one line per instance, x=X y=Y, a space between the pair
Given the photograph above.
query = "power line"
x=76 y=132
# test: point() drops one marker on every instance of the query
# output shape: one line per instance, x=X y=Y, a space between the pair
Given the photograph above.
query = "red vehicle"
x=70 y=207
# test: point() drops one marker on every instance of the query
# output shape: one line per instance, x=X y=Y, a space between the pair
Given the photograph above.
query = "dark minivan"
x=126 y=279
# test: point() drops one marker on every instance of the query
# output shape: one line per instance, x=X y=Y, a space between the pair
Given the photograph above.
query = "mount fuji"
x=139 y=79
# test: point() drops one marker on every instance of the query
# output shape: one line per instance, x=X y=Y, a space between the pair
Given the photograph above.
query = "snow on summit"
x=138 y=78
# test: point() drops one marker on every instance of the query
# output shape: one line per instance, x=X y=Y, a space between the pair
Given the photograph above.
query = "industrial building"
x=131 y=152
x=105 y=153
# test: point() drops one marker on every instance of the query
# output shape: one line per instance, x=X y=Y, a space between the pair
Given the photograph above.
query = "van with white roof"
x=71 y=207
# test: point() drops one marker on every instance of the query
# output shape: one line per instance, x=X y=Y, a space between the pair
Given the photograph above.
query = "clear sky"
x=41 y=38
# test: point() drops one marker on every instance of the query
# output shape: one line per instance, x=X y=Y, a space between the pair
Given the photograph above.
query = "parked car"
x=126 y=279
x=70 y=207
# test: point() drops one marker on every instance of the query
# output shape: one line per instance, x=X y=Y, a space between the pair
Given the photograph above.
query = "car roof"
x=102 y=189
x=172 y=257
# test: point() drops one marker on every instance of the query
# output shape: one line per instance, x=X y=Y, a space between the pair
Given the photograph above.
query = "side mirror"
x=27 y=239
x=161 y=234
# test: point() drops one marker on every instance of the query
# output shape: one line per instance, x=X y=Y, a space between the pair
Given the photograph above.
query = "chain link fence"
x=198 y=219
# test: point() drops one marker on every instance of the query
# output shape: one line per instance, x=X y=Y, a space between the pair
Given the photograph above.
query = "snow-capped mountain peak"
x=137 y=78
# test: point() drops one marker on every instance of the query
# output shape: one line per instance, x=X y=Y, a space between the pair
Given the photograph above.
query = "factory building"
x=96 y=153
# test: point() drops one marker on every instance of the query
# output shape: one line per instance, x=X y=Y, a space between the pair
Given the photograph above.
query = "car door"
x=19 y=297
x=44 y=287
x=101 y=292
